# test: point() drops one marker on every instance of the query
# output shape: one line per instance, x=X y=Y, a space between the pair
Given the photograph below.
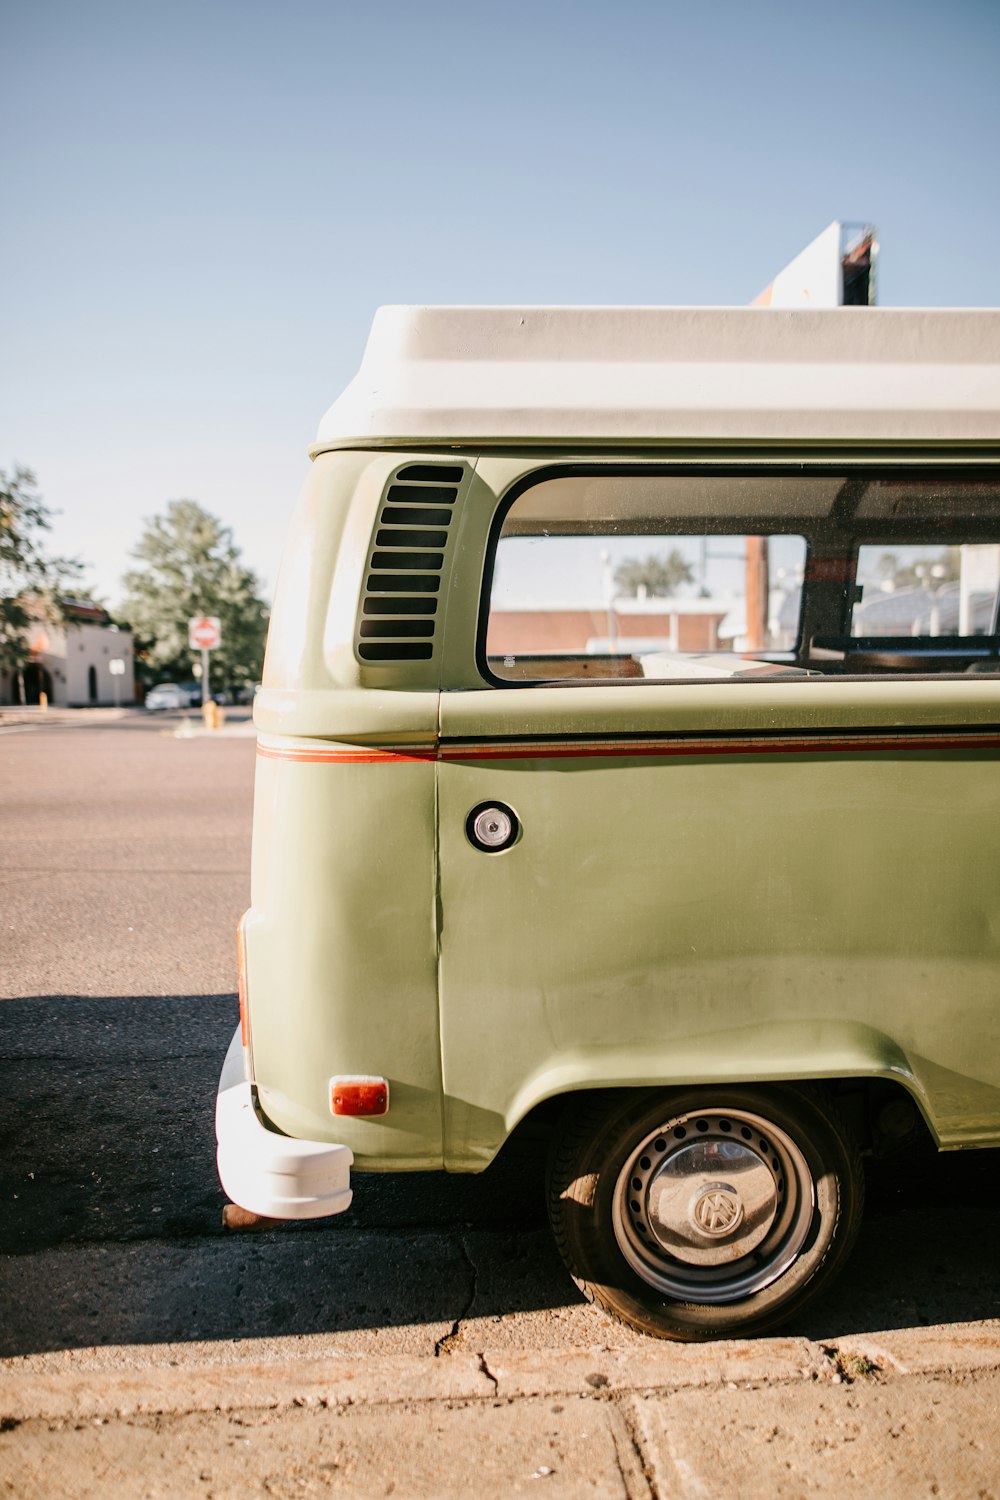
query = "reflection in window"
x=927 y=590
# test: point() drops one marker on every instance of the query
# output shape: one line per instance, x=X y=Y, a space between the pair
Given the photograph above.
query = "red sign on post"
x=204 y=633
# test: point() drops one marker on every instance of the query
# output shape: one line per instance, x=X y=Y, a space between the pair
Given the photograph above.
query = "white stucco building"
x=71 y=663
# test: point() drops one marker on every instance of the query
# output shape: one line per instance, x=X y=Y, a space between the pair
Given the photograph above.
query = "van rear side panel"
x=341 y=947
x=341 y=953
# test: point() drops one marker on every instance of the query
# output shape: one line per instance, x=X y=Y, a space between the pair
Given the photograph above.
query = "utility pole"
x=757 y=592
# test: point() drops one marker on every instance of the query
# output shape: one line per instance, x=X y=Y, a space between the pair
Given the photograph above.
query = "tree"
x=660 y=576
x=945 y=568
x=31 y=582
x=190 y=565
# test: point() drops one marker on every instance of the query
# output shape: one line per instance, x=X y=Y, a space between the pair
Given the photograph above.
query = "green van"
x=627 y=766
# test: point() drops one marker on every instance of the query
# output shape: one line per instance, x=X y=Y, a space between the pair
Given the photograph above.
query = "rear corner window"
x=647 y=578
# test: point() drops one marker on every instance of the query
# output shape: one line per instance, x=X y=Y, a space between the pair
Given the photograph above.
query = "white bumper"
x=268 y=1173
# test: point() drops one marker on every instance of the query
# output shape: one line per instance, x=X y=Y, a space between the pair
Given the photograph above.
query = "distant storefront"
x=626 y=624
x=71 y=663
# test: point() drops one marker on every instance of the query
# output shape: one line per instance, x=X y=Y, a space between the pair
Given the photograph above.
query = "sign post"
x=204 y=635
x=116 y=666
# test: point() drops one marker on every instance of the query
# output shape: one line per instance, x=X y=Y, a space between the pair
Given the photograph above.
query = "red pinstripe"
x=647 y=748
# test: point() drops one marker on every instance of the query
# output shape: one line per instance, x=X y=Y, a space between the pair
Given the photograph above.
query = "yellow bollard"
x=43 y=700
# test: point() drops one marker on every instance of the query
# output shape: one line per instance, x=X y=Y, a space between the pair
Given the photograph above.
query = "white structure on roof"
x=836 y=269
x=653 y=376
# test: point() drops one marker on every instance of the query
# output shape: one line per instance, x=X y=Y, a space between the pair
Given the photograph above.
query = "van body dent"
x=627 y=762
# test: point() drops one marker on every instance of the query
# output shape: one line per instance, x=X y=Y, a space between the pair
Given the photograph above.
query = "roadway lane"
x=125 y=858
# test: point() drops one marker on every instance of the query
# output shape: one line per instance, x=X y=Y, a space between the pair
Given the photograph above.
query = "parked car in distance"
x=167 y=695
x=195 y=696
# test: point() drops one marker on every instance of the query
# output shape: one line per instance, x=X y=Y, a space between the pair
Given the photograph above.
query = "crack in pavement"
x=485 y=1370
x=446 y=1343
x=633 y=1461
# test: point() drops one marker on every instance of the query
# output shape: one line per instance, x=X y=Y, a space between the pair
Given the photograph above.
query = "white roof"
x=577 y=376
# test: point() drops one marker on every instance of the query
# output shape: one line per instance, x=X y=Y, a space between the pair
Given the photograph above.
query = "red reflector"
x=359 y=1096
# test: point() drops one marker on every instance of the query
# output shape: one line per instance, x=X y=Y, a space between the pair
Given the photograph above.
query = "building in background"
x=837 y=269
x=72 y=663
x=624 y=624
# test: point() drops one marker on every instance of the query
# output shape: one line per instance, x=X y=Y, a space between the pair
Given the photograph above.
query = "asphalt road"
x=124 y=856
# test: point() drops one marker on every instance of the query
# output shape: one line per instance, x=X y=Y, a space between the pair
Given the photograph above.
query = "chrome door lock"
x=492 y=827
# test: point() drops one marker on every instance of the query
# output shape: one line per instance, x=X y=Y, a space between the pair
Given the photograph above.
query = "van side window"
x=603 y=575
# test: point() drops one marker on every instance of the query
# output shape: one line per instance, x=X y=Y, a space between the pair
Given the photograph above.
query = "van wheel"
x=704 y=1213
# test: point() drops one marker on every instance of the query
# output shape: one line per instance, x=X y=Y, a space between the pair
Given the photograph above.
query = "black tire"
x=707 y=1212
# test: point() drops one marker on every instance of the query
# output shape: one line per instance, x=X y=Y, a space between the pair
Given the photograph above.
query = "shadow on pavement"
x=111 y=1220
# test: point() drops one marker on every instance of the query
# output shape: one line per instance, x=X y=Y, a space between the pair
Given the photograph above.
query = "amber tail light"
x=355 y=1095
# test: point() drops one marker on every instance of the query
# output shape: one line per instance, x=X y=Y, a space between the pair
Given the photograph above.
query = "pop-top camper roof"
x=648 y=376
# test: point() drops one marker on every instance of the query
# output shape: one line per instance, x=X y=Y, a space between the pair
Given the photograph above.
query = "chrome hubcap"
x=706 y=1203
x=713 y=1206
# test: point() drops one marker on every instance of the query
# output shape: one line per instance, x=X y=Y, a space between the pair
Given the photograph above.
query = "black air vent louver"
x=403 y=579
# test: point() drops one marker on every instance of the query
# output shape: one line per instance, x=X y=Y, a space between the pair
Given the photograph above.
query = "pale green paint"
x=342 y=951
x=698 y=919
x=664 y=920
x=310 y=647
x=722 y=707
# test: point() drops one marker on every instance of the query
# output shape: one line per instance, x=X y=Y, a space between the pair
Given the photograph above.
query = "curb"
x=83 y=1391
x=187 y=730
x=38 y=717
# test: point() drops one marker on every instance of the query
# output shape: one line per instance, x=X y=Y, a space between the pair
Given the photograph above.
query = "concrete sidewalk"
x=83 y=1384
x=239 y=723
x=31 y=714
x=914 y=1412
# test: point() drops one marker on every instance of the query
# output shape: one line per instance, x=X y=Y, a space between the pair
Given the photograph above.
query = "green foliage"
x=190 y=565
x=945 y=568
x=31 y=582
x=661 y=576
x=856 y=1366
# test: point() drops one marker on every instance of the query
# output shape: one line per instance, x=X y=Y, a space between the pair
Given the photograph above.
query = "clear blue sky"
x=205 y=202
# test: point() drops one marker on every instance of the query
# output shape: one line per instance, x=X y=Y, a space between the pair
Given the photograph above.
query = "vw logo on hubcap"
x=717 y=1210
